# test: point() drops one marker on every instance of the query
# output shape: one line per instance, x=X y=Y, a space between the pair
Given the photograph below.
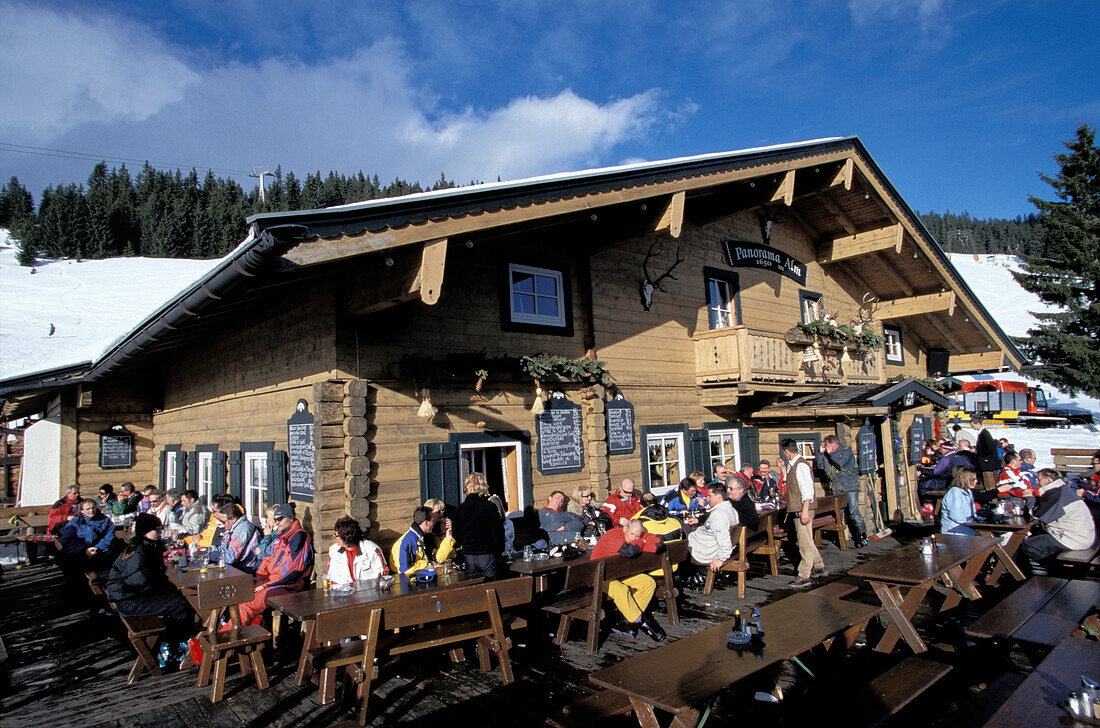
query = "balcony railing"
x=742 y=355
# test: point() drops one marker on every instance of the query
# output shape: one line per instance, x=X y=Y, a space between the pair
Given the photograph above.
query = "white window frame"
x=533 y=318
x=810 y=305
x=735 y=435
x=254 y=510
x=721 y=313
x=663 y=438
x=518 y=475
x=204 y=476
x=895 y=352
x=170 y=469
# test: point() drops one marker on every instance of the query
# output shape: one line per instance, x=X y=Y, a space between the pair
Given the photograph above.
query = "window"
x=536 y=295
x=725 y=445
x=204 y=476
x=722 y=298
x=895 y=354
x=808 y=443
x=811 y=306
x=171 y=469
x=666 y=461
x=255 y=485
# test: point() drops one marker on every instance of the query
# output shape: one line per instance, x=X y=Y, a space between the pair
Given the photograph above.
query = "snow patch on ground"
x=90 y=304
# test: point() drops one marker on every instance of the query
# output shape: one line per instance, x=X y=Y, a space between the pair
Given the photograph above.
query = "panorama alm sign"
x=753 y=255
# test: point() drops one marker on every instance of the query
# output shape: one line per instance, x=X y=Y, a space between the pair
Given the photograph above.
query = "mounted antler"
x=868 y=308
x=649 y=282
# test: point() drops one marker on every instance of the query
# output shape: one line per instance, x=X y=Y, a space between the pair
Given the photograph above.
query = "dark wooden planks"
x=1034 y=704
x=899 y=686
x=1061 y=614
x=1016 y=609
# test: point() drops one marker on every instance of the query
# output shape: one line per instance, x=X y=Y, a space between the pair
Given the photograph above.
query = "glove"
x=630 y=550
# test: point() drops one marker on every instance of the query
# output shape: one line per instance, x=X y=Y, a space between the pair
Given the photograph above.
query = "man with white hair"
x=1068 y=522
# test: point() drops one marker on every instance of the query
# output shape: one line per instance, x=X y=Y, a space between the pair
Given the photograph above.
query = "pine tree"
x=1068 y=273
x=15 y=203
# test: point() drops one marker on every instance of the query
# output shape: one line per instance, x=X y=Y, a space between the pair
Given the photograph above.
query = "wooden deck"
x=68 y=669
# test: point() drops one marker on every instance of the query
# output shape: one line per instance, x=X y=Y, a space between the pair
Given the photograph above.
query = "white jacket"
x=712 y=540
x=369 y=563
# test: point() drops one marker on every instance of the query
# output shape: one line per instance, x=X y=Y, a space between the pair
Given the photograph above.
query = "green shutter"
x=181 y=470
x=193 y=470
x=236 y=474
x=276 y=478
x=698 y=453
x=218 y=483
x=439 y=472
x=750 y=445
x=161 y=471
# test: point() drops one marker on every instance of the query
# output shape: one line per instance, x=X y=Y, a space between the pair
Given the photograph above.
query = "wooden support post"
x=673 y=217
x=785 y=192
x=837 y=213
x=844 y=175
x=890 y=466
x=868 y=241
x=916 y=306
x=429 y=281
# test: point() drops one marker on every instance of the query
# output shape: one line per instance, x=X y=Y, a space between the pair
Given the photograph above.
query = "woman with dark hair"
x=138 y=585
x=353 y=556
x=107 y=497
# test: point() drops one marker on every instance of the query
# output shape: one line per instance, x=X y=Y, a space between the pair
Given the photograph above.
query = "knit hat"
x=283 y=510
x=145 y=522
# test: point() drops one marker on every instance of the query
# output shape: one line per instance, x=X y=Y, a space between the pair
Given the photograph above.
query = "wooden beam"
x=836 y=212
x=916 y=305
x=868 y=241
x=886 y=267
x=889 y=465
x=982 y=361
x=429 y=280
x=843 y=176
x=811 y=232
x=410 y=276
x=945 y=332
x=785 y=192
x=673 y=217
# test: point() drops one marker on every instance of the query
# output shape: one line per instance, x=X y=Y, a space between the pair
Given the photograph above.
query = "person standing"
x=839 y=464
x=479 y=529
x=985 y=451
x=801 y=504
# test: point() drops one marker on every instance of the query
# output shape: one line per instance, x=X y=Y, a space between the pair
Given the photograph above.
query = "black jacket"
x=140 y=575
x=746 y=512
x=479 y=527
x=986 y=453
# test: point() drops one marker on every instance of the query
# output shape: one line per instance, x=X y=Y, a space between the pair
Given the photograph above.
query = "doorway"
x=499 y=463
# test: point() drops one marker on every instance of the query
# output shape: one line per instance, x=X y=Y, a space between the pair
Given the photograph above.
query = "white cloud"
x=930 y=15
x=60 y=70
x=359 y=111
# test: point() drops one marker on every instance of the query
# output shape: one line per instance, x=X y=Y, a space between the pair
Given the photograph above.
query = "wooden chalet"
x=302 y=366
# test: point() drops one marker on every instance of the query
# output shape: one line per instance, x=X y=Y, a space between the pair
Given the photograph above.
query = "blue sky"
x=961 y=103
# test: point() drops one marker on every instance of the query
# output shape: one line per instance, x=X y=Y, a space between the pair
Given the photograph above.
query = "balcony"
x=743 y=356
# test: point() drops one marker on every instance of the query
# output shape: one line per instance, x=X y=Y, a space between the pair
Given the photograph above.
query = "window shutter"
x=643 y=434
x=750 y=445
x=218 y=484
x=439 y=472
x=192 y=471
x=276 y=478
x=181 y=470
x=698 y=454
x=525 y=467
x=236 y=474
x=161 y=471
x=928 y=428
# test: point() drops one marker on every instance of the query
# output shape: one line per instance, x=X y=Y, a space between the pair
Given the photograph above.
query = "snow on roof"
x=68 y=312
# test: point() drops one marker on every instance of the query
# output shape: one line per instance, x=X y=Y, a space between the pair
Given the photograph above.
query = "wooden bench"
x=838 y=589
x=1043 y=610
x=738 y=562
x=1088 y=559
x=829 y=516
x=244 y=641
x=761 y=540
x=1072 y=460
x=897 y=687
x=599 y=707
x=143 y=633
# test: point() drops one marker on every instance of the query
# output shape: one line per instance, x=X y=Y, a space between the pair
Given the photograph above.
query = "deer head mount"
x=649 y=283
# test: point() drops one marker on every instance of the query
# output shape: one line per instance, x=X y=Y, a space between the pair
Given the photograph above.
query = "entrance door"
x=499 y=463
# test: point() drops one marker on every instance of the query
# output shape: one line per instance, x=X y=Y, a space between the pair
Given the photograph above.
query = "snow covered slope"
x=88 y=304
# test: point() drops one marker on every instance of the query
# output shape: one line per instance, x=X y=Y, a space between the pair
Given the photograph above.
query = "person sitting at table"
x=1011 y=481
x=769 y=484
x=210 y=535
x=128 y=500
x=742 y=503
x=596 y=522
x=681 y=501
x=353 y=557
x=239 y=542
x=270 y=533
x=89 y=539
x=63 y=511
x=138 y=585
x=632 y=594
x=710 y=545
x=146 y=503
x=621 y=505
x=193 y=514
x=1087 y=486
x=958 y=503
x=1027 y=467
x=479 y=528
x=158 y=505
x=560 y=525
x=744 y=475
x=106 y=499
x=442 y=524
x=286 y=569
x=410 y=554
x=1066 y=518
x=174 y=499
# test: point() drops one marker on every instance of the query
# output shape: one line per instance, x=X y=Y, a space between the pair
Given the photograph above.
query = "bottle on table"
x=221 y=559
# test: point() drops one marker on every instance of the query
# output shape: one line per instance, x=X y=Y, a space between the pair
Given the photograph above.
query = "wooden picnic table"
x=1034 y=704
x=231 y=583
x=1019 y=527
x=304 y=606
x=678 y=677
x=956 y=561
x=542 y=570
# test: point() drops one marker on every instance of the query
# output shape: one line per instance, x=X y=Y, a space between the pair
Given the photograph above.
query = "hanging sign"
x=116 y=448
x=560 y=447
x=916 y=440
x=300 y=449
x=868 y=448
x=620 y=426
x=755 y=255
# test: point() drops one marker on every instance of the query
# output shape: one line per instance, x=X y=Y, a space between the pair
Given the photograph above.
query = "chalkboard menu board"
x=916 y=439
x=116 y=448
x=620 y=426
x=300 y=447
x=868 y=448
x=561 y=449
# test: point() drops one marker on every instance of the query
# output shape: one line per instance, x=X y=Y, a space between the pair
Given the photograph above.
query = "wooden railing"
x=740 y=354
